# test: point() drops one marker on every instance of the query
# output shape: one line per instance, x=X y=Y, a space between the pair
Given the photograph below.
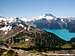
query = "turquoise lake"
x=62 y=33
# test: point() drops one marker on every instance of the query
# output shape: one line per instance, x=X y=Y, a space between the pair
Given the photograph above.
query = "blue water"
x=62 y=33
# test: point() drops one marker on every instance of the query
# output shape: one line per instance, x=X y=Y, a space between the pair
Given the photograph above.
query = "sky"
x=37 y=7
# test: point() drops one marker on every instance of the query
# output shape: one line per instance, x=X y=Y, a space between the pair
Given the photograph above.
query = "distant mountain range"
x=46 y=21
x=51 y=22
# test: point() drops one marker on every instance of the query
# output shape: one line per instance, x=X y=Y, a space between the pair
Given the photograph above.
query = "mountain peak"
x=49 y=14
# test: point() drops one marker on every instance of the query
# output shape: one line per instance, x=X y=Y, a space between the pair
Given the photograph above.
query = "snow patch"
x=6 y=28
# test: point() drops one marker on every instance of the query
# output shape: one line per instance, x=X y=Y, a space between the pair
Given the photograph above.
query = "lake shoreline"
x=62 y=33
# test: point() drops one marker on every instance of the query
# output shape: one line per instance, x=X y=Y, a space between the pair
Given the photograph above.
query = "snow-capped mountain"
x=48 y=20
x=51 y=22
x=48 y=16
x=7 y=24
x=45 y=21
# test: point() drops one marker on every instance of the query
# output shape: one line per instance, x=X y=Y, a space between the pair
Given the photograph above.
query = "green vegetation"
x=67 y=46
x=1 y=40
x=37 y=39
x=10 y=53
x=22 y=45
